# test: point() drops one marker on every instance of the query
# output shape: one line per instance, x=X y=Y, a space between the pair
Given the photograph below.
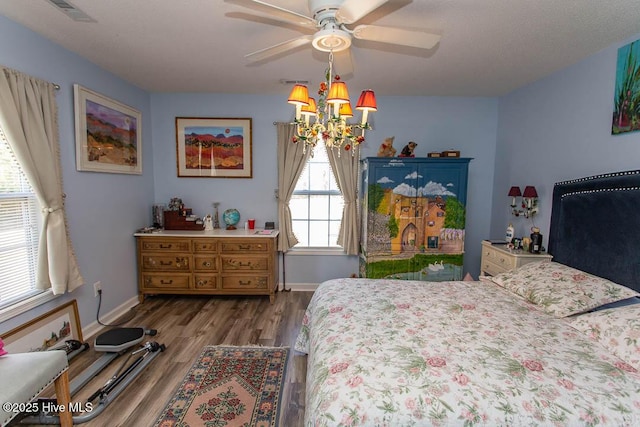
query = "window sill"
x=26 y=305
x=316 y=251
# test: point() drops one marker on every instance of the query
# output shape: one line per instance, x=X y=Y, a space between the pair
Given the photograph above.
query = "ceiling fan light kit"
x=330 y=18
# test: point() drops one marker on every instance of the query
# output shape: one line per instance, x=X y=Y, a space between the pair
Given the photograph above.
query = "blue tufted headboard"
x=595 y=226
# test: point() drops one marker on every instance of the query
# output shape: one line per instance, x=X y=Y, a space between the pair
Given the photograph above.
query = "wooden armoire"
x=413 y=217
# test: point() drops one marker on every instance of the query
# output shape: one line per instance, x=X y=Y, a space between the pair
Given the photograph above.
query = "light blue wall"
x=102 y=209
x=436 y=124
x=555 y=129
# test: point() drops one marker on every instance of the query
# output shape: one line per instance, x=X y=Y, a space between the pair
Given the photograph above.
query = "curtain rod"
x=55 y=85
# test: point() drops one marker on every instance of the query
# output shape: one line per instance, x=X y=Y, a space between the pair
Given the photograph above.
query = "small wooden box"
x=174 y=221
x=451 y=153
x=434 y=154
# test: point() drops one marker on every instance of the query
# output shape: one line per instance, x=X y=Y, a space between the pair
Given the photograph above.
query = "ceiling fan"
x=330 y=18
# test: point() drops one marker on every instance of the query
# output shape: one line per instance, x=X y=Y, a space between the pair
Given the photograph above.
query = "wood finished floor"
x=185 y=325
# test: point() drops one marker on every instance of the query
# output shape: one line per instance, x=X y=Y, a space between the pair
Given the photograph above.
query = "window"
x=19 y=230
x=316 y=204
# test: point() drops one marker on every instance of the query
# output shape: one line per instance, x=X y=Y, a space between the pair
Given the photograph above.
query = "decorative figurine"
x=386 y=148
x=208 y=223
x=216 y=219
x=407 y=151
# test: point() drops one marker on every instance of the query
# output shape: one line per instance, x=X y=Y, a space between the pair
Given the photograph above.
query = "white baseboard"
x=94 y=327
x=301 y=286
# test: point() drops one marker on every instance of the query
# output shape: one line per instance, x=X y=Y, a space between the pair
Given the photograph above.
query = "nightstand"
x=498 y=259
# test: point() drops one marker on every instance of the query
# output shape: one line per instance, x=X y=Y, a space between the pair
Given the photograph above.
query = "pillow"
x=617 y=329
x=560 y=290
x=2 y=350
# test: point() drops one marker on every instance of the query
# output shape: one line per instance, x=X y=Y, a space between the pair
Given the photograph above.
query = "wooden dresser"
x=498 y=259
x=218 y=262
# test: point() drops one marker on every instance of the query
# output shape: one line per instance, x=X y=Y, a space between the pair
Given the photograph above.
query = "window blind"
x=19 y=224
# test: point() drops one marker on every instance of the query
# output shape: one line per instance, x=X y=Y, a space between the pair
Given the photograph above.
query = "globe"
x=231 y=218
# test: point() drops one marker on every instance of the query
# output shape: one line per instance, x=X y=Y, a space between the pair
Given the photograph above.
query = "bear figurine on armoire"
x=413 y=218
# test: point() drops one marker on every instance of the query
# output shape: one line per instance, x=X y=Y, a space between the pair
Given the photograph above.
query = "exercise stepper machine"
x=113 y=343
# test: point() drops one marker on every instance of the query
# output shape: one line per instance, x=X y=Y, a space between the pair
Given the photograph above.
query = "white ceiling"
x=488 y=47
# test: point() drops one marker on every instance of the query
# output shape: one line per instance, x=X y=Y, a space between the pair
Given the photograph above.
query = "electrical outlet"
x=97 y=287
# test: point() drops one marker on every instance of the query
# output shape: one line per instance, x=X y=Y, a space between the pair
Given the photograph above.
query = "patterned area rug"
x=229 y=386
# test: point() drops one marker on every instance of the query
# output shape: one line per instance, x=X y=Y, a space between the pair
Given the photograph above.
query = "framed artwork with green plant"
x=626 y=104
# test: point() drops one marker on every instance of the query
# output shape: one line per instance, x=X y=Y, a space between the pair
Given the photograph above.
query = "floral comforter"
x=404 y=353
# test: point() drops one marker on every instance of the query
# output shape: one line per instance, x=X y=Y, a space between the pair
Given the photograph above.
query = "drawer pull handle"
x=207 y=264
x=166 y=262
x=247 y=247
x=248 y=282
x=166 y=282
x=165 y=246
x=245 y=264
x=202 y=282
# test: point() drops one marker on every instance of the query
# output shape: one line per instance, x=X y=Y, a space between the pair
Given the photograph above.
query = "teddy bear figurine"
x=386 y=148
x=407 y=151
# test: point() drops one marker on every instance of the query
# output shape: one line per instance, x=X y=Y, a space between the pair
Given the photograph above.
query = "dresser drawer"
x=205 y=281
x=489 y=253
x=152 y=281
x=244 y=263
x=491 y=268
x=169 y=245
x=241 y=246
x=502 y=260
x=244 y=282
x=205 y=263
x=205 y=245
x=165 y=262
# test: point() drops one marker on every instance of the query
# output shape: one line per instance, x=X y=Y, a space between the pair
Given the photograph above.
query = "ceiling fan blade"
x=353 y=10
x=277 y=12
x=277 y=49
x=399 y=36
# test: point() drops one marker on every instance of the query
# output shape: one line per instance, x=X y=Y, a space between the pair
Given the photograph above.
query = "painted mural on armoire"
x=413 y=218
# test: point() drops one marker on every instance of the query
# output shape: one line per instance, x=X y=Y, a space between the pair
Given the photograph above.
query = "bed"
x=554 y=343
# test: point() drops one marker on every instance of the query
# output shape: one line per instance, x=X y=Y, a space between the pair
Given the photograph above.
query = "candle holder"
x=216 y=217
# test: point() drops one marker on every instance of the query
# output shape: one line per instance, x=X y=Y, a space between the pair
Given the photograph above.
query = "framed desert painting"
x=108 y=134
x=49 y=331
x=213 y=148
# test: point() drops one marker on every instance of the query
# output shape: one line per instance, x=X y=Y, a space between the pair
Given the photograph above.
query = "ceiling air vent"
x=71 y=11
x=294 y=82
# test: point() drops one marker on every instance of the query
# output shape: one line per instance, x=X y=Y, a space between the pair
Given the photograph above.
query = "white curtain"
x=345 y=166
x=292 y=159
x=28 y=117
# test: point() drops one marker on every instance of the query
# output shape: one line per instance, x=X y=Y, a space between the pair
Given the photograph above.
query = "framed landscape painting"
x=213 y=148
x=49 y=331
x=108 y=134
